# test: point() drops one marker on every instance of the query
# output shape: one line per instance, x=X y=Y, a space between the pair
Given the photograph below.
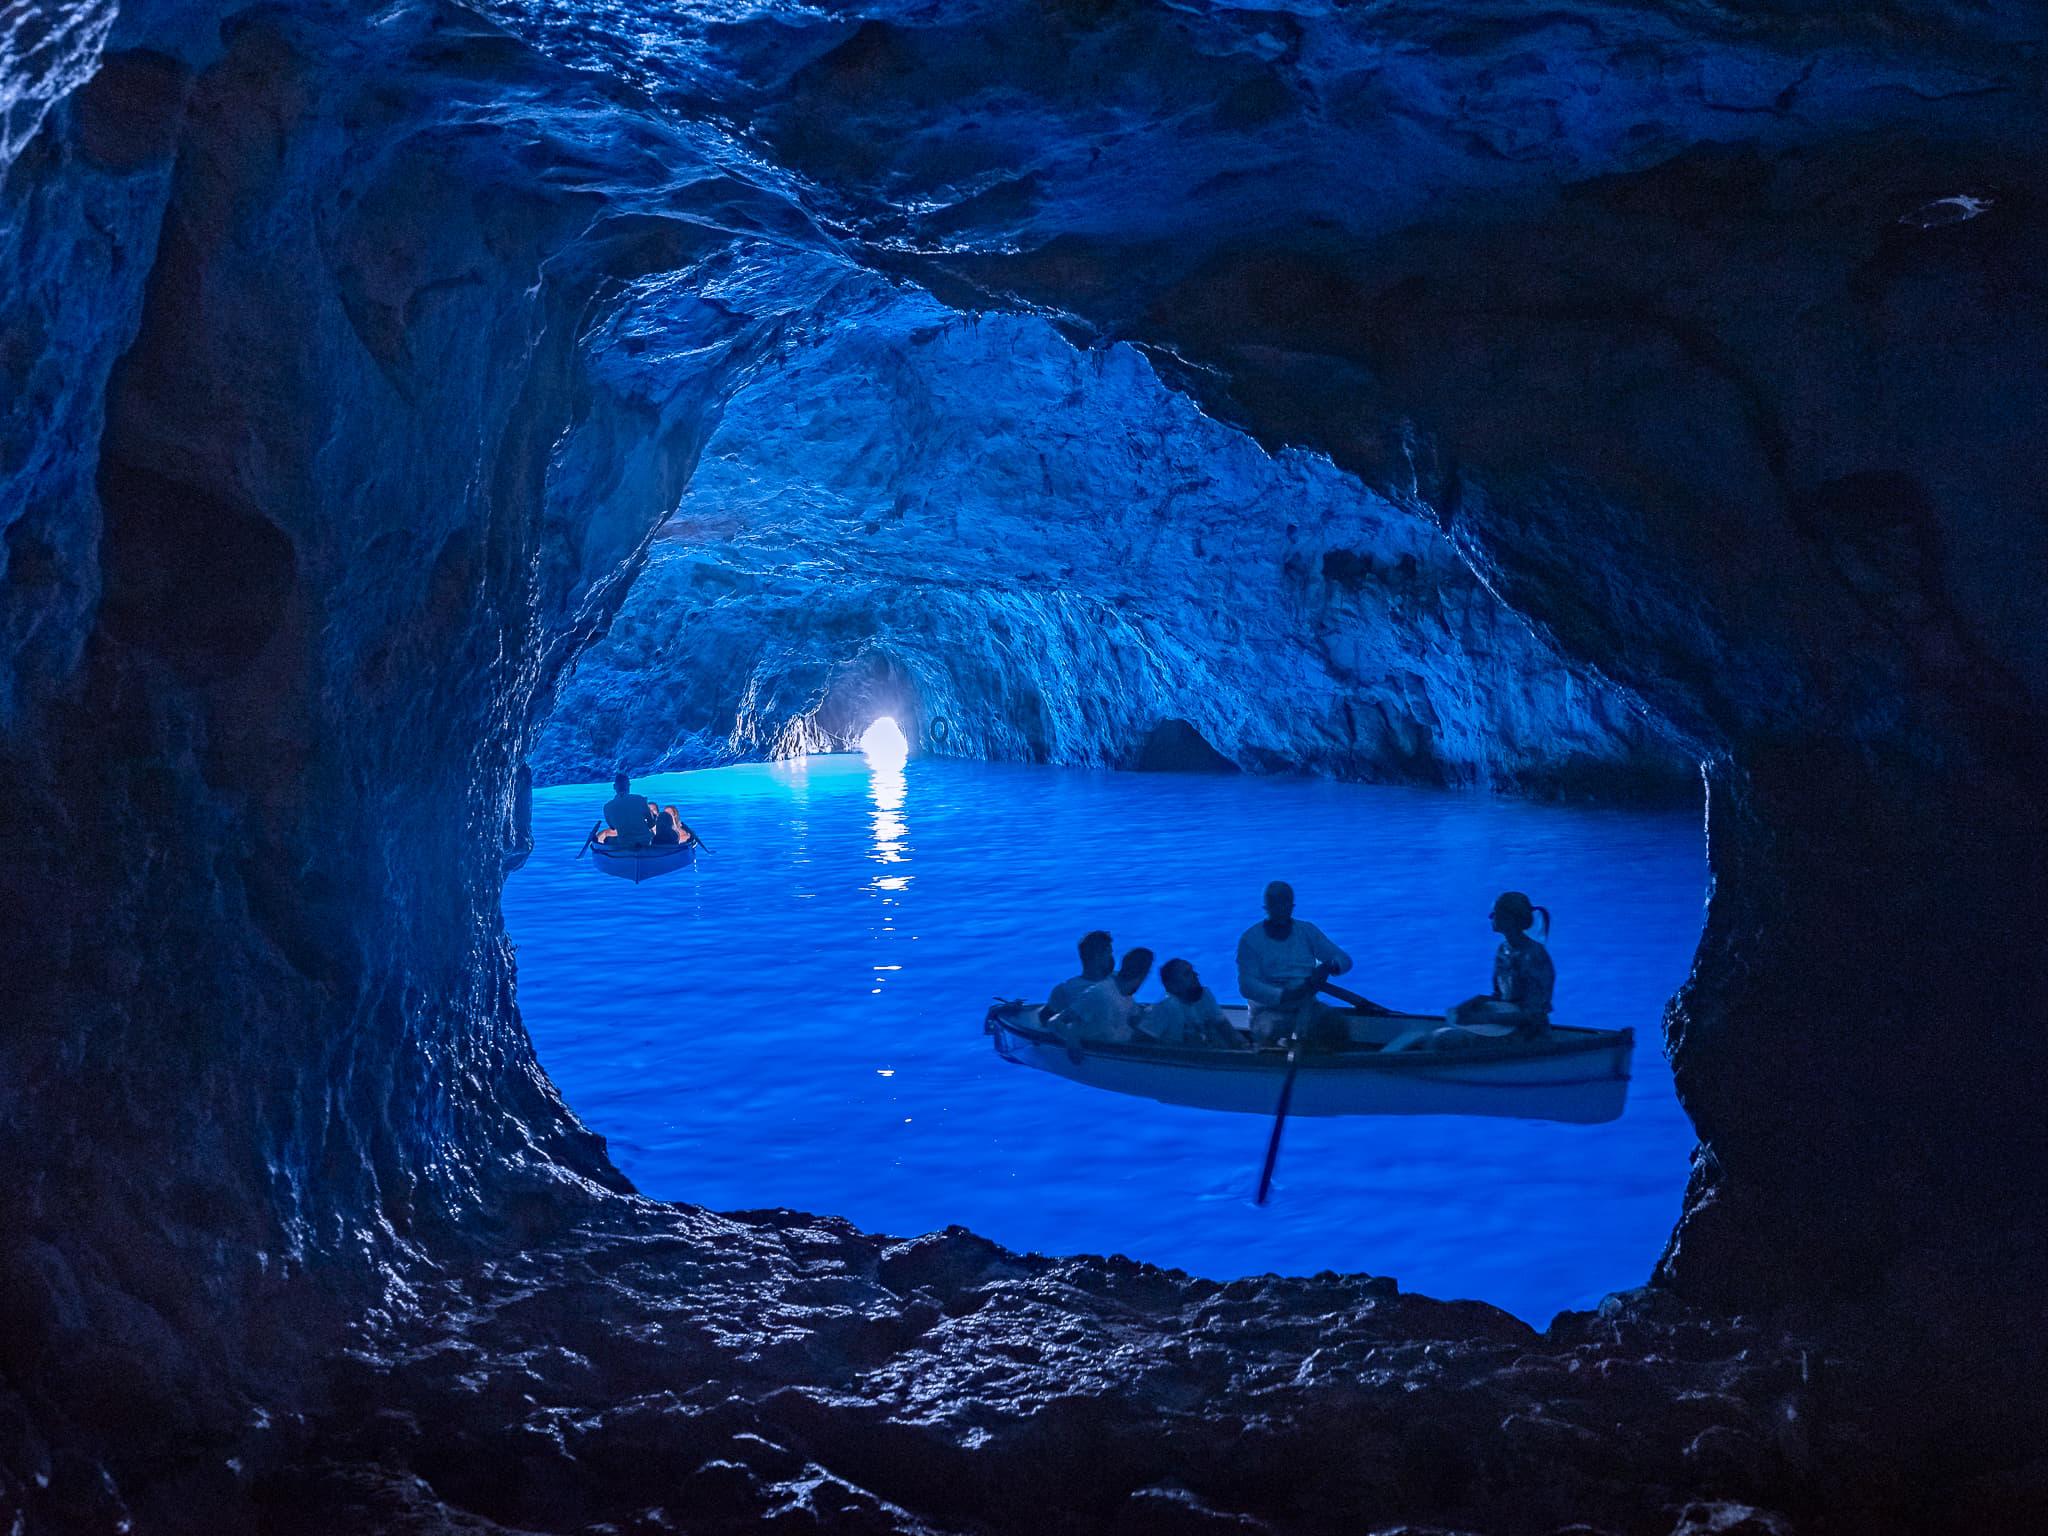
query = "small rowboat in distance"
x=637 y=864
x=1578 y=1076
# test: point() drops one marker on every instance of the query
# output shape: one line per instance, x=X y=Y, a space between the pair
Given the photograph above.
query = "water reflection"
x=886 y=787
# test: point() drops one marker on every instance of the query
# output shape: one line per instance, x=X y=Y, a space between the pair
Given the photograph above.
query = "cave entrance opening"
x=1028 y=559
x=800 y=1023
x=884 y=742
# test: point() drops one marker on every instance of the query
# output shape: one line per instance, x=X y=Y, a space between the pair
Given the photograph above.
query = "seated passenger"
x=1098 y=959
x=669 y=831
x=1523 y=980
x=1189 y=1013
x=1109 y=1010
x=630 y=816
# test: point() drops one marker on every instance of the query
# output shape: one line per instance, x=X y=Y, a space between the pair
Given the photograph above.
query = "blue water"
x=797 y=1020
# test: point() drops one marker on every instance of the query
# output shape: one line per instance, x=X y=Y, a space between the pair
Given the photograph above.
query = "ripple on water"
x=797 y=1021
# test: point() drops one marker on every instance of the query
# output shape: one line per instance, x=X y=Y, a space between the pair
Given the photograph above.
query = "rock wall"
x=326 y=444
x=1028 y=553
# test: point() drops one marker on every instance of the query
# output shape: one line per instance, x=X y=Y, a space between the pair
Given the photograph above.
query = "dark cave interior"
x=354 y=358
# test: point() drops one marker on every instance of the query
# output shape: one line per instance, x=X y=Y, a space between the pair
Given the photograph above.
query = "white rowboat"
x=1579 y=1076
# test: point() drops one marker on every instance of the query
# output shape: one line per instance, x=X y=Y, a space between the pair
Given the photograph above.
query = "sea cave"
x=1604 y=402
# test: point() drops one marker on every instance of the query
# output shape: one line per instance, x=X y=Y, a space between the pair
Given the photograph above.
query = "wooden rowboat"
x=1579 y=1076
x=637 y=864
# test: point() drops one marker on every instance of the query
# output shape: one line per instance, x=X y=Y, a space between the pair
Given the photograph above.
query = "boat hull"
x=637 y=864
x=1579 y=1077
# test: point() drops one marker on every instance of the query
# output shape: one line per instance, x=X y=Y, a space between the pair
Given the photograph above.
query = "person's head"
x=621 y=784
x=1132 y=973
x=670 y=821
x=1280 y=899
x=1515 y=913
x=1179 y=978
x=1098 y=953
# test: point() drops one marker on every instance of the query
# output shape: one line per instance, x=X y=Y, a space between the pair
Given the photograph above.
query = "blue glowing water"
x=797 y=1021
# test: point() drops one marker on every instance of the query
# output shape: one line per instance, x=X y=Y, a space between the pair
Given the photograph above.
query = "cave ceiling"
x=1605 y=257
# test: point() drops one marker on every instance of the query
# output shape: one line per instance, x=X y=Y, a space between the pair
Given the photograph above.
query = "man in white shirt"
x=1098 y=959
x=1109 y=1010
x=1280 y=964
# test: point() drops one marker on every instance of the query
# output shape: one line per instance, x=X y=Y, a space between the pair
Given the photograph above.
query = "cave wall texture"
x=353 y=357
x=1025 y=552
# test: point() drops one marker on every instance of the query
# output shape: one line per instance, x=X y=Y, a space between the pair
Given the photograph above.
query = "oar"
x=1279 y=1119
x=1362 y=1004
x=589 y=840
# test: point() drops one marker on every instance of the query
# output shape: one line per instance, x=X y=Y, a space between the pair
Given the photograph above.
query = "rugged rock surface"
x=351 y=359
x=1025 y=552
x=316 y=469
x=661 y=1370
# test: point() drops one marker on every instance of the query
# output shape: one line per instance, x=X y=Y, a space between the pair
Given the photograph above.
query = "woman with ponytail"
x=1523 y=979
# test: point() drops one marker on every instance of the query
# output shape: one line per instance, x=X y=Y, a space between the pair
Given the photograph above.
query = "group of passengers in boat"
x=634 y=821
x=1101 y=1003
x=1283 y=963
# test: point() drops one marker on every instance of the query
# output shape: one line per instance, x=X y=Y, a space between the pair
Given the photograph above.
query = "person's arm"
x=1250 y=980
x=1307 y=987
x=1325 y=952
x=1057 y=1003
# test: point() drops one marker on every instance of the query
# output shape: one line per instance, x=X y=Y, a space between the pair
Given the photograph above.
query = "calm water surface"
x=797 y=1021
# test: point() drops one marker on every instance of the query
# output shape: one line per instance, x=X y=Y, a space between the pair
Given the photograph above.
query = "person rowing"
x=1281 y=964
x=629 y=817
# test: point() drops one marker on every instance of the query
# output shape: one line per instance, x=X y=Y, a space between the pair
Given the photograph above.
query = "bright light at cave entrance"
x=884 y=743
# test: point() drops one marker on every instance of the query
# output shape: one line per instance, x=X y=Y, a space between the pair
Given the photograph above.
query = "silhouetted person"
x=1280 y=964
x=670 y=830
x=1098 y=959
x=1109 y=1009
x=630 y=816
x=1523 y=980
x=1189 y=1013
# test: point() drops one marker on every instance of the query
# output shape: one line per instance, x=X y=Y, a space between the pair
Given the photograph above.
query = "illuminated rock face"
x=350 y=363
x=1029 y=553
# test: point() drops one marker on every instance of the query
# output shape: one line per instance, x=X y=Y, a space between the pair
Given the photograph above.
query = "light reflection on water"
x=797 y=1021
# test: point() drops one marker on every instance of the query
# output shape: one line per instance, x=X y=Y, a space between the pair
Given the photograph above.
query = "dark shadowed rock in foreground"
x=670 y=1370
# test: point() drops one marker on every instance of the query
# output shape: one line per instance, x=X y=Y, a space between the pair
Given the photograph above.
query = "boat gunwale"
x=1272 y=1060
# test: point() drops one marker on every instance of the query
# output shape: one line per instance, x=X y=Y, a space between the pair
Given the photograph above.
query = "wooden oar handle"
x=1364 y=1004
